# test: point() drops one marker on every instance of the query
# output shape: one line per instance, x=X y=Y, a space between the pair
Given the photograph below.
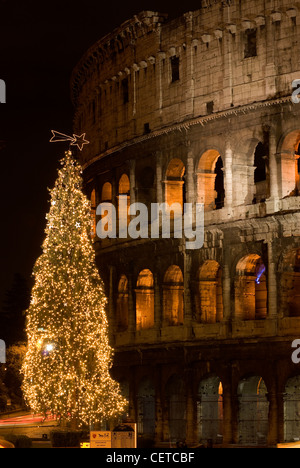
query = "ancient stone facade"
x=199 y=109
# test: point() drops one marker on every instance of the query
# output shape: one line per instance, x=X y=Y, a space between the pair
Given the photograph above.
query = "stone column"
x=228 y=159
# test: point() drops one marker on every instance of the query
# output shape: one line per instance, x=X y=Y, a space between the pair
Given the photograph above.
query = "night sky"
x=40 y=44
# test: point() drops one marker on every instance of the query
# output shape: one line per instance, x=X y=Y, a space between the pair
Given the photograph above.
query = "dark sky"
x=40 y=43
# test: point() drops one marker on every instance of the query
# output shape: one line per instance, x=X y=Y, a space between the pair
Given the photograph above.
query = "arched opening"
x=106 y=193
x=253 y=411
x=251 y=295
x=290 y=284
x=93 y=213
x=292 y=409
x=175 y=396
x=173 y=297
x=210 y=409
x=122 y=311
x=290 y=165
x=146 y=409
x=145 y=300
x=174 y=183
x=124 y=388
x=261 y=173
x=124 y=191
x=210 y=181
x=209 y=298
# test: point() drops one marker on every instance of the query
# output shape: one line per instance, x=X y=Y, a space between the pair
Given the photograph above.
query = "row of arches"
x=209 y=178
x=252 y=403
x=206 y=288
x=251 y=295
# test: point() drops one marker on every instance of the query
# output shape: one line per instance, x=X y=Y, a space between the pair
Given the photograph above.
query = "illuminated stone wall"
x=199 y=109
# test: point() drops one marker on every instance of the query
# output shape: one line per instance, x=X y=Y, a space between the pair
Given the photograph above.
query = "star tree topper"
x=76 y=140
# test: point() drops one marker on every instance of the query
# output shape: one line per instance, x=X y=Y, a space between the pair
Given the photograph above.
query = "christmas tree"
x=67 y=365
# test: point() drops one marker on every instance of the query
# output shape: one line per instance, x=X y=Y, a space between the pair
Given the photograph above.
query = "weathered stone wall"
x=221 y=130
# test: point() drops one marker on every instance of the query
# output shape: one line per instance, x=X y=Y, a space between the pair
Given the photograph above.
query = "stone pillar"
x=273 y=419
x=272 y=283
x=227 y=416
x=132 y=181
x=157 y=304
x=191 y=414
x=159 y=178
x=190 y=184
x=228 y=176
x=131 y=307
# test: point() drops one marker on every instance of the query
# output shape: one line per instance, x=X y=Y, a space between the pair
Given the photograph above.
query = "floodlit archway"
x=253 y=411
x=210 y=180
x=209 y=299
x=173 y=296
x=175 y=395
x=174 y=183
x=251 y=296
x=124 y=191
x=290 y=164
x=146 y=408
x=145 y=300
x=210 y=409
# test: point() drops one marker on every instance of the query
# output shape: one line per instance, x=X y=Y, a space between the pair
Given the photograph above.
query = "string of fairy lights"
x=67 y=365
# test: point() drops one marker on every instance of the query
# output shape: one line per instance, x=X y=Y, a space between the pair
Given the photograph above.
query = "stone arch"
x=261 y=173
x=106 y=192
x=209 y=299
x=122 y=309
x=175 y=183
x=146 y=408
x=210 y=180
x=175 y=397
x=251 y=295
x=210 y=409
x=173 y=297
x=253 y=414
x=124 y=190
x=145 y=300
x=288 y=149
x=291 y=405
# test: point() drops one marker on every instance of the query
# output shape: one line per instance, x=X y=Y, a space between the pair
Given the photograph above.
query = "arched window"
x=253 y=411
x=210 y=180
x=106 y=194
x=261 y=173
x=124 y=190
x=174 y=183
x=173 y=299
x=122 y=311
x=146 y=408
x=251 y=296
x=144 y=300
x=209 y=299
x=176 y=407
x=210 y=409
x=289 y=179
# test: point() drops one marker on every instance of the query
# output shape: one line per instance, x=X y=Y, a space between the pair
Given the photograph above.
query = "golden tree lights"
x=68 y=359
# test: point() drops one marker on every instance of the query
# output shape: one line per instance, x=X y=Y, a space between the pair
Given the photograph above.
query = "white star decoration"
x=76 y=140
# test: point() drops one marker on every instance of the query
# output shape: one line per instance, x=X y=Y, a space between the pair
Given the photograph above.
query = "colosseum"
x=199 y=109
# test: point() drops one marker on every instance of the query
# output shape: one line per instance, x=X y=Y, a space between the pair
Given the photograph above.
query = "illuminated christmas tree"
x=67 y=365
